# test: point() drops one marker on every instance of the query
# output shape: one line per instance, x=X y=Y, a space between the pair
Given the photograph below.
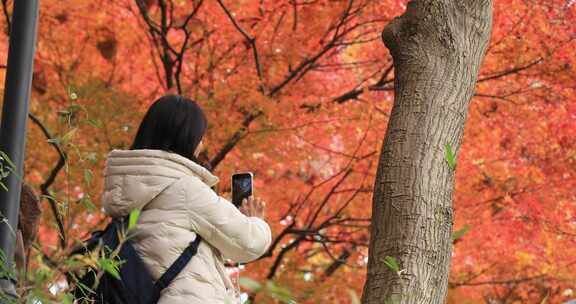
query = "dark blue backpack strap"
x=176 y=267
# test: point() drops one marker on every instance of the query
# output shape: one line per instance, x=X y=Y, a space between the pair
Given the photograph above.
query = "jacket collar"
x=177 y=162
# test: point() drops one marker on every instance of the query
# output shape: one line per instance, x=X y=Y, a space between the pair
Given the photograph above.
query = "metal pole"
x=13 y=126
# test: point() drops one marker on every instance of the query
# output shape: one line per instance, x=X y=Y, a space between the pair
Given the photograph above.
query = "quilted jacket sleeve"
x=238 y=237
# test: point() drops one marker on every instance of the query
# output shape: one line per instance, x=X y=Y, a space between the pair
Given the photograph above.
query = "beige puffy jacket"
x=177 y=202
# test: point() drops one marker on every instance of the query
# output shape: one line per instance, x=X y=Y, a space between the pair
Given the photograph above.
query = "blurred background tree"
x=300 y=93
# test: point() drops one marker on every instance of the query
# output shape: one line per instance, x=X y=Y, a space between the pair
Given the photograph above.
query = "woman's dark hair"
x=173 y=123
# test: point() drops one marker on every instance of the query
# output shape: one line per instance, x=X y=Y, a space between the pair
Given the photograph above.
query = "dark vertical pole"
x=14 y=119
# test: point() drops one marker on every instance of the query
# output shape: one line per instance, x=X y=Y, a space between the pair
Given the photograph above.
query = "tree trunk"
x=437 y=47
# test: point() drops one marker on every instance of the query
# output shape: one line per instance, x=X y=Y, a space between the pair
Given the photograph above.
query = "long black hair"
x=174 y=124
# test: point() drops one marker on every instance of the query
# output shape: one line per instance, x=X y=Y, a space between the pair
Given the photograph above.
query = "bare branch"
x=158 y=37
x=383 y=80
x=312 y=232
x=277 y=240
x=158 y=33
x=306 y=64
x=251 y=40
x=311 y=219
x=381 y=84
x=281 y=255
x=51 y=178
x=7 y=17
x=358 y=90
x=352 y=94
x=511 y=71
x=497 y=282
x=341 y=260
x=295 y=14
x=235 y=138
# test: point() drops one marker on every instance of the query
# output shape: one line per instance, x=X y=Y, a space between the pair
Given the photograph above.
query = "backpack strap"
x=176 y=267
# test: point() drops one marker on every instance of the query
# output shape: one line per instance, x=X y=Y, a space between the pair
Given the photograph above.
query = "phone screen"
x=241 y=187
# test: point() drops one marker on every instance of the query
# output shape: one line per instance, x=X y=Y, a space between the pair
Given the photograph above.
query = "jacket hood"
x=133 y=178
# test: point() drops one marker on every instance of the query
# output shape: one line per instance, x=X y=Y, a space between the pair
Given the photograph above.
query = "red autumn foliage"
x=301 y=92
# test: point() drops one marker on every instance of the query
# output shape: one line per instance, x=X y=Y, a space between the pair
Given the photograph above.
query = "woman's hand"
x=253 y=207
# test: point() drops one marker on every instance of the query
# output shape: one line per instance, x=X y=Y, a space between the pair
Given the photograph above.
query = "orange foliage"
x=320 y=107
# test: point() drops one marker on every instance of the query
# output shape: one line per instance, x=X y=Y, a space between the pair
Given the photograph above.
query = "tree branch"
x=235 y=138
x=496 y=282
x=383 y=80
x=352 y=94
x=7 y=17
x=511 y=71
x=281 y=255
x=51 y=178
x=251 y=40
x=311 y=232
x=172 y=59
x=380 y=85
x=305 y=65
x=301 y=69
x=341 y=260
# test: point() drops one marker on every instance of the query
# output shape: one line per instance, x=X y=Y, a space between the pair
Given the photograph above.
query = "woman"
x=161 y=176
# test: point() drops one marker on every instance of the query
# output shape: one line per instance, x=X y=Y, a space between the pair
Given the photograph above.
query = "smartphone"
x=242 y=187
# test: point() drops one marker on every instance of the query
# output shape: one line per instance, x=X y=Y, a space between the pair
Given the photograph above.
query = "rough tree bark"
x=437 y=47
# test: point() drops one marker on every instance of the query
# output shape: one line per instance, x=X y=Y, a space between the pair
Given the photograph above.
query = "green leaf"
x=133 y=219
x=91 y=156
x=87 y=202
x=450 y=158
x=75 y=107
x=49 y=196
x=460 y=233
x=55 y=141
x=67 y=299
x=93 y=122
x=69 y=135
x=4 y=221
x=84 y=290
x=110 y=266
x=353 y=297
x=5 y=269
x=392 y=263
x=5 y=157
x=6 y=170
x=250 y=284
x=279 y=293
x=88 y=176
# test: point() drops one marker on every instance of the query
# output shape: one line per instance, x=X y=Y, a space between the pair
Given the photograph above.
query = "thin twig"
x=511 y=71
x=497 y=282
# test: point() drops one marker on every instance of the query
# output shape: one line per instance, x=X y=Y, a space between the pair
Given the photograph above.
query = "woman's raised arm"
x=238 y=237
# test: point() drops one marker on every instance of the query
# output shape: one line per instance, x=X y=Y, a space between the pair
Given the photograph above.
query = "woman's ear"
x=199 y=149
